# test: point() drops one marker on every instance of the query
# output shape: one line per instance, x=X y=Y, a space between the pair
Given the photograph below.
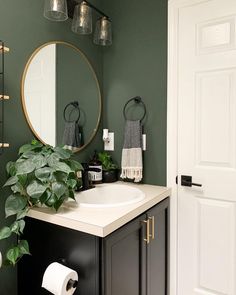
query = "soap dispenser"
x=95 y=177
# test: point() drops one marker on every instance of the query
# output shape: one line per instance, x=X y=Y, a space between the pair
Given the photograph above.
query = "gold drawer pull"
x=147 y=240
x=5 y=49
x=4 y=96
x=152 y=219
x=4 y=145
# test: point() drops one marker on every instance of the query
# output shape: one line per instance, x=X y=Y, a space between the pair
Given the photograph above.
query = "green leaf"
x=25 y=148
x=63 y=167
x=22 y=179
x=22 y=213
x=45 y=196
x=13 y=254
x=59 y=189
x=25 y=167
x=5 y=233
x=39 y=161
x=71 y=183
x=35 y=142
x=74 y=165
x=28 y=154
x=18 y=226
x=71 y=194
x=35 y=189
x=43 y=173
x=11 y=168
x=63 y=153
x=21 y=225
x=18 y=188
x=107 y=162
x=30 y=178
x=12 y=180
x=24 y=247
x=29 y=147
x=52 y=200
x=47 y=150
x=58 y=204
x=53 y=159
x=14 y=204
x=60 y=176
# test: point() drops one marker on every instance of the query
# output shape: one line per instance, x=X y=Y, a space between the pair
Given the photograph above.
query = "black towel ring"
x=136 y=99
x=75 y=104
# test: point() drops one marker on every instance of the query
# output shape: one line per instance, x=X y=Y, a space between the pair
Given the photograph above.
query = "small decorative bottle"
x=95 y=177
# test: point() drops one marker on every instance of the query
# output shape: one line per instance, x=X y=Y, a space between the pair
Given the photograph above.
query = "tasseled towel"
x=132 y=164
x=72 y=136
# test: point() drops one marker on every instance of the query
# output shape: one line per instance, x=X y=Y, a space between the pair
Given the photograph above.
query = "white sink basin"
x=109 y=195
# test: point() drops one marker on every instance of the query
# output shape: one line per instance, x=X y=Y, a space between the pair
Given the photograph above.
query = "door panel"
x=214 y=254
x=215 y=118
x=207 y=147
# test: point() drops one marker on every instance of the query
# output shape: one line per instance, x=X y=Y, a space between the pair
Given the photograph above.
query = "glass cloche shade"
x=82 y=21
x=56 y=10
x=103 y=32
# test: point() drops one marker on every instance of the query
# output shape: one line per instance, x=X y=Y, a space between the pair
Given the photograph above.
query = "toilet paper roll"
x=59 y=279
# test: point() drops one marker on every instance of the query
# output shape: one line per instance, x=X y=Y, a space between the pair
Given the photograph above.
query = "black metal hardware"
x=186 y=180
x=72 y=3
x=97 y=10
x=71 y=284
x=75 y=104
x=136 y=99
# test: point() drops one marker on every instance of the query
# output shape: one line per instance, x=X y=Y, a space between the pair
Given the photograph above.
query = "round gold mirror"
x=61 y=96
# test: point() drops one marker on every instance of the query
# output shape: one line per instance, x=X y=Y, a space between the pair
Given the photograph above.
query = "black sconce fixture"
x=81 y=12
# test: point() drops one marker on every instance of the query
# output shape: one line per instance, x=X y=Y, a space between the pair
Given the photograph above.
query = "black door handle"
x=186 y=180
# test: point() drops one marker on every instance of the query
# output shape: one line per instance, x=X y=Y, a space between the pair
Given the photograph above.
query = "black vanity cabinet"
x=135 y=260
x=130 y=261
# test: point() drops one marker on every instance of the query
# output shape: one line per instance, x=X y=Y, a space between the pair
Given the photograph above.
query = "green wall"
x=23 y=28
x=136 y=64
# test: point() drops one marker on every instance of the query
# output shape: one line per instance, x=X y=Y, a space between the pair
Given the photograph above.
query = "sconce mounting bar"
x=97 y=10
x=72 y=3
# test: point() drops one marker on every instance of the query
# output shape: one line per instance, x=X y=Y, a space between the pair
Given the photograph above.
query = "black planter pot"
x=110 y=176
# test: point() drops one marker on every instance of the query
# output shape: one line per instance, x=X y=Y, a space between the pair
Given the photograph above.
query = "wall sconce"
x=103 y=33
x=82 y=20
x=56 y=10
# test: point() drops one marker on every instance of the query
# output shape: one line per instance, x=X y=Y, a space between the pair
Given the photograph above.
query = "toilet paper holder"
x=64 y=282
x=71 y=284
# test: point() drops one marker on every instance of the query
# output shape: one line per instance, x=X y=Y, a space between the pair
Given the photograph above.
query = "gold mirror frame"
x=23 y=94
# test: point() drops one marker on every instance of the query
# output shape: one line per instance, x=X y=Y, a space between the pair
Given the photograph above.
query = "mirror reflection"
x=61 y=96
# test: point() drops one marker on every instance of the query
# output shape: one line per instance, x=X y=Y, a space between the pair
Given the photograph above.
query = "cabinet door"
x=157 y=250
x=124 y=257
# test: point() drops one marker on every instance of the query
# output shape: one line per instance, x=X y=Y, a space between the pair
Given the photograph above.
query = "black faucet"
x=86 y=181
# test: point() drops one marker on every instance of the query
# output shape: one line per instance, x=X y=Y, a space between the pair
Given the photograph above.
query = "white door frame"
x=172 y=130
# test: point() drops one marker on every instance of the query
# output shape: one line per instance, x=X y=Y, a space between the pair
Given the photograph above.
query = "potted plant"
x=109 y=168
x=41 y=176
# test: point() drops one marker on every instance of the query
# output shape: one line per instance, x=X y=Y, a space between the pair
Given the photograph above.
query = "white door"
x=206 y=88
